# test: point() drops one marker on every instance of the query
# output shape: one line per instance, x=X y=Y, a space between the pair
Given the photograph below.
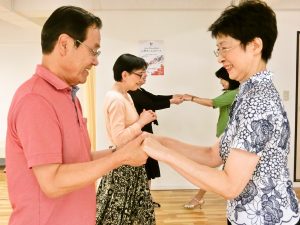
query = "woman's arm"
x=145 y=100
x=202 y=101
x=121 y=132
x=115 y=123
x=228 y=183
x=205 y=155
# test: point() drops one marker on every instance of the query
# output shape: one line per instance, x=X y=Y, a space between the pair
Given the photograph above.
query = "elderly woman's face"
x=239 y=61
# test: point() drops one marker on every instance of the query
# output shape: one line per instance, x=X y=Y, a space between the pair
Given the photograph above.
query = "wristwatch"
x=113 y=148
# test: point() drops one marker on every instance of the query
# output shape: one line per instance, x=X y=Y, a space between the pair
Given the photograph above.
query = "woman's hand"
x=154 y=148
x=146 y=117
x=176 y=99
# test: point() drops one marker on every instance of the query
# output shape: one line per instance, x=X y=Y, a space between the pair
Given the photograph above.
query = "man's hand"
x=133 y=153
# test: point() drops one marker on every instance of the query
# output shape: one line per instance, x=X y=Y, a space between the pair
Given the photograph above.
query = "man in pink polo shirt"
x=51 y=171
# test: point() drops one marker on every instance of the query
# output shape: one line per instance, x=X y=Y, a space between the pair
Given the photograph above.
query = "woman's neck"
x=119 y=87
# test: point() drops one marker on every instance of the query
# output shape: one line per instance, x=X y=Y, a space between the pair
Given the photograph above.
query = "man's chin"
x=83 y=80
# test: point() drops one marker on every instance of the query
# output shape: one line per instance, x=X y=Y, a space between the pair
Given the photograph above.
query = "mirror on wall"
x=297 y=119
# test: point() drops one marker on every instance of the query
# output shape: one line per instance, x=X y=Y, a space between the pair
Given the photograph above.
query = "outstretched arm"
x=146 y=100
x=202 y=101
x=228 y=183
x=59 y=179
x=205 y=155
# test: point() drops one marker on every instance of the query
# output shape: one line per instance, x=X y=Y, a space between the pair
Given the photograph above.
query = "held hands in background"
x=202 y=101
x=177 y=99
x=146 y=117
x=187 y=97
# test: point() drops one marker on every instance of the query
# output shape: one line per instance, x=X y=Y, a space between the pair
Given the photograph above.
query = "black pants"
x=298 y=223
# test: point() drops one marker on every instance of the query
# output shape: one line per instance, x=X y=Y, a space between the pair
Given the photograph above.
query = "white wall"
x=189 y=68
x=20 y=51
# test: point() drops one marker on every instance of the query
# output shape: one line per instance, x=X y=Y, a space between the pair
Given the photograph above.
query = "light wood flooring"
x=171 y=211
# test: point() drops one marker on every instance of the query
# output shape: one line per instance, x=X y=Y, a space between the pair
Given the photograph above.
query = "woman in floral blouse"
x=255 y=145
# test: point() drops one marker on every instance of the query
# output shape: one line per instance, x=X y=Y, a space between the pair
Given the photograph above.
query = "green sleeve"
x=225 y=99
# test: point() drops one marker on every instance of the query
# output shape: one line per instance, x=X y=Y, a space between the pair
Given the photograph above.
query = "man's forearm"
x=100 y=153
x=59 y=179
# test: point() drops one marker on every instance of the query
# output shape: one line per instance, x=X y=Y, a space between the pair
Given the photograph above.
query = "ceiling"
x=32 y=13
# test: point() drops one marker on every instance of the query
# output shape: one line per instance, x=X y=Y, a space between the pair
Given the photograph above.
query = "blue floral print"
x=284 y=135
x=271 y=210
x=262 y=133
x=258 y=124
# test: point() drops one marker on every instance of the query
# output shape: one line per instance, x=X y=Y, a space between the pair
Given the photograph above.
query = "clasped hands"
x=136 y=152
x=179 y=98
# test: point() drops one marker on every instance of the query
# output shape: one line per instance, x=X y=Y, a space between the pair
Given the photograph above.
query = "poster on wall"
x=152 y=52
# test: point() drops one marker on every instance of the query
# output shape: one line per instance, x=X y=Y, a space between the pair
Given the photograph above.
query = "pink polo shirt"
x=44 y=127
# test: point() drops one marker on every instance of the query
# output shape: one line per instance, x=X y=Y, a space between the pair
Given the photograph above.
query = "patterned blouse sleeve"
x=260 y=122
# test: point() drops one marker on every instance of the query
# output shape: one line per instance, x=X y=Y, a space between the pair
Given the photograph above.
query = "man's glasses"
x=92 y=51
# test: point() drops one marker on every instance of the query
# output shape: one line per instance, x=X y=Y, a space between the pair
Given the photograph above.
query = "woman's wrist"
x=192 y=98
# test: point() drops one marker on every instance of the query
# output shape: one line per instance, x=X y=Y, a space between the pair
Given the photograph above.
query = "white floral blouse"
x=258 y=124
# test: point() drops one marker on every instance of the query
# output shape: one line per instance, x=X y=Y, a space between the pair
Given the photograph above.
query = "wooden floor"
x=171 y=211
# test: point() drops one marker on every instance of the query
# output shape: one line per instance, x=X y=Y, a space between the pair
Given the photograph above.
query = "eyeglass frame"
x=223 y=51
x=139 y=75
x=92 y=51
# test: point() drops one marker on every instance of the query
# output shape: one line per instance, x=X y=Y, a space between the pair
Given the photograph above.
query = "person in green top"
x=223 y=102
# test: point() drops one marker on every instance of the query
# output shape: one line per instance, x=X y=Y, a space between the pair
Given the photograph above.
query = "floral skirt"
x=124 y=198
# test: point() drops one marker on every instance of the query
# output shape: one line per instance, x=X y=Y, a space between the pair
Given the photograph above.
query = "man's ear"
x=63 y=44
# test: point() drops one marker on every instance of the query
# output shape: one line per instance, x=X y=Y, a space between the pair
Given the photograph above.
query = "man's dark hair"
x=70 y=20
x=246 y=21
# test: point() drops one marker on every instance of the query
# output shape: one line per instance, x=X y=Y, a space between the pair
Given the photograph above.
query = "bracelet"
x=192 y=99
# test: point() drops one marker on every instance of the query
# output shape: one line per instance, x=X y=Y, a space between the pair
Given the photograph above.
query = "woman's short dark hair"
x=246 y=21
x=128 y=63
x=223 y=74
x=70 y=20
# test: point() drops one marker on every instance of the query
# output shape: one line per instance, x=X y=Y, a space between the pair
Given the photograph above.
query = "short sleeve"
x=225 y=99
x=38 y=130
x=258 y=122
